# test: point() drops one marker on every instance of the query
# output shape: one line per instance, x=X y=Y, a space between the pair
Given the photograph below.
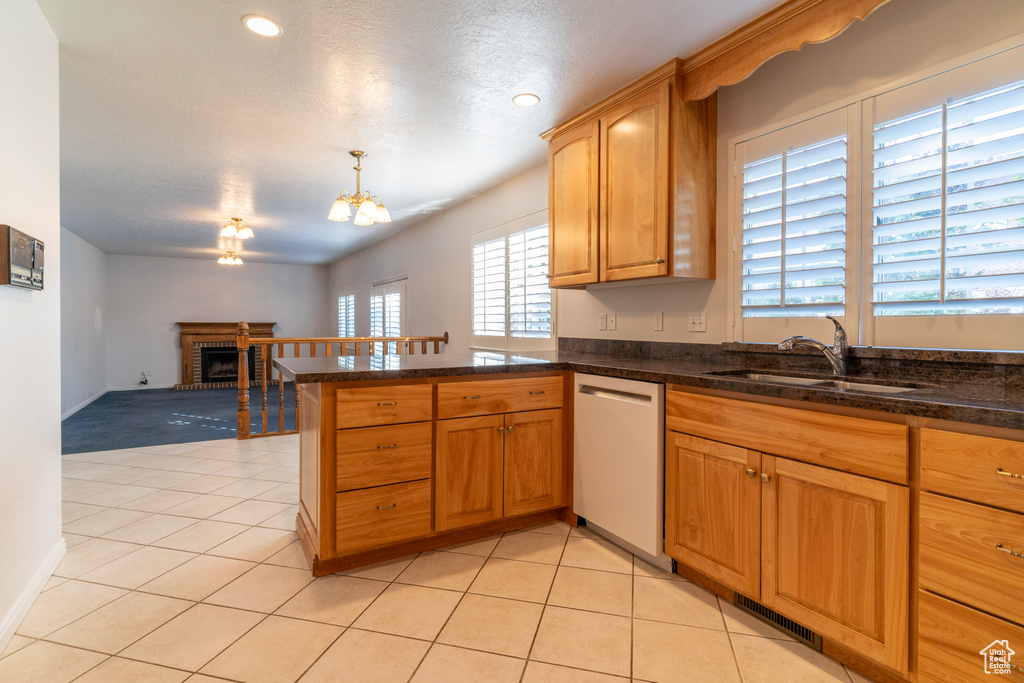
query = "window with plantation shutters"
x=793 y=231
x=387 y=317
x=948 y=208
x=347 y=315
x=512 y=304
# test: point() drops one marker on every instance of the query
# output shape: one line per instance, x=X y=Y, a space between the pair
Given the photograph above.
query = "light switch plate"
x=602 y=321
x=659 y=322
x=611 y=321
x=698 y=322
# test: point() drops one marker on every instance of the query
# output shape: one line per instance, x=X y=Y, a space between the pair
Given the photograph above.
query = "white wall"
x=30 y=539
x=900 y=38
x=83 y=324
x=148 y=295
x=436 y=257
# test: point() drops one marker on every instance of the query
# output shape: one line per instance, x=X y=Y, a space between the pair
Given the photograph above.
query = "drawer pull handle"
x=1001 y=471
x=470 y=398
x=535 y=393
x=394 y=445
x=387 y=507
x=389 y=403
x=999 y=546
x=751 y=473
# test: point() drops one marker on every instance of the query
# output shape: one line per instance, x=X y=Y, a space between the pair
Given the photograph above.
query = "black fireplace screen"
x=220 y=364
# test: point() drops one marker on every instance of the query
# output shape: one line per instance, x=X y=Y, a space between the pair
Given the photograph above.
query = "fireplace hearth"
x=209 y=355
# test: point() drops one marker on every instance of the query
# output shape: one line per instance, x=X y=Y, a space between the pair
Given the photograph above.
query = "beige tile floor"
x=183 y=565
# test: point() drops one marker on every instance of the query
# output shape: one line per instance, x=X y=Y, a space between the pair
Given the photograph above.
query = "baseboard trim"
x=12 y=620
x=81 y=405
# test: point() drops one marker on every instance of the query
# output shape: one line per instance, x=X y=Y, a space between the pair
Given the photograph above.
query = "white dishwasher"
x=618 y=475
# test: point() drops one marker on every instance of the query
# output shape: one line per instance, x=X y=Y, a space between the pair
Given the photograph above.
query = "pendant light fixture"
x=236 y=228
x=369 y=208
x=229 y=259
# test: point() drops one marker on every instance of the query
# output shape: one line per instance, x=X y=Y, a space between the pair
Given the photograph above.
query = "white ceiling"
x=174 y=117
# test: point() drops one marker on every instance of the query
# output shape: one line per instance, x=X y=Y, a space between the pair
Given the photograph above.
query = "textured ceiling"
x=174 y=117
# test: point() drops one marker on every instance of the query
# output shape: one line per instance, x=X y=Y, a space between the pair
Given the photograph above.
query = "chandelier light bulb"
x=340 y=211
x=383 y=216
x=237 y=228
x=369 y=209
x=367 y=213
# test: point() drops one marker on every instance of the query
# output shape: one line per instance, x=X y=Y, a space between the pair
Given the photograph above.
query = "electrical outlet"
x=602 y=321
x=611 y=321
x=698 y=323
x=659 y=322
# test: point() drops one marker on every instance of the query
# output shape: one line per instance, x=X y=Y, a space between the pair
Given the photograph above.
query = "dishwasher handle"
x=616 y=395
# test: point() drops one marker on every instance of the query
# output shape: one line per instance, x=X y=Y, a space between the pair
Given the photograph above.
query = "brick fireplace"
x=198 y=336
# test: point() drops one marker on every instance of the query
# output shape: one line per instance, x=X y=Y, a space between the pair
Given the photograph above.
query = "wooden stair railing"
x=298 y=344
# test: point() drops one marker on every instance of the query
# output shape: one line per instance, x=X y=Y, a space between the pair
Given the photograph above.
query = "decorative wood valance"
x=787 y=27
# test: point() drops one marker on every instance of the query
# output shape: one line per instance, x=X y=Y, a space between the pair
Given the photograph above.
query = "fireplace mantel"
x=193 y=333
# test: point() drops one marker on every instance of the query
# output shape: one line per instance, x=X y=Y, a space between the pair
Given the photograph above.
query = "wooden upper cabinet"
x=634 y=187
x=637 y=171
x=572 y=200
x=713 y=510
x=835 y=556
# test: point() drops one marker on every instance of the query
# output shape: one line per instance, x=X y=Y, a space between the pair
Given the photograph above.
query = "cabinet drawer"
x=371 y=406
x=374 y=456
x=868 y=447
x=463 y=399
x=964 y=554
x=977 y=468
x=386 y=514
x=951 y=638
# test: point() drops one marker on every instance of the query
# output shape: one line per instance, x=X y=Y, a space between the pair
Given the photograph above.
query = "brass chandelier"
x=369 y=208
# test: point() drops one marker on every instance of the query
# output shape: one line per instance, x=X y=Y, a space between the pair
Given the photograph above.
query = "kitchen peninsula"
x=401 y=454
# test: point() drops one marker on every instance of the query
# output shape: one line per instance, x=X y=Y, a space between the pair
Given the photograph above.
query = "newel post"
x=243 y=380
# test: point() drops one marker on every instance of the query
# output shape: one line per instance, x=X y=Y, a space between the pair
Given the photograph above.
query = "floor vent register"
x=770 y=616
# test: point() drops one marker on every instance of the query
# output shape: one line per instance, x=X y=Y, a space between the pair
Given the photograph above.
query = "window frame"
x=508 y=342
x=350 y=308
x=382 y=289
x=863 y=327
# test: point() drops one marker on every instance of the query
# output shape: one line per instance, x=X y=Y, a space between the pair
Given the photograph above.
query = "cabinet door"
x=634 y=187
x=835 y=556
x=533 y=462
x=713 y=510
x=469 y=455
x=572 y=216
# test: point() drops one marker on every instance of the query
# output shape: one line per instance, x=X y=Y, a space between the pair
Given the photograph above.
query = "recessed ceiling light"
x=526 y=99
x=262 y=25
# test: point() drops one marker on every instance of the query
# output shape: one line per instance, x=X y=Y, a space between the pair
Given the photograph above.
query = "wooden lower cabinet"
x=469 y=470
x=957 y=644
x=533 y=462
x=498 y=465
x=828 y=549
x=713 y=510
x=382 y=515
x=835 y=552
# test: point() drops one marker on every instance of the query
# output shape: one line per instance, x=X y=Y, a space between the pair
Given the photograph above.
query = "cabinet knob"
x=751 y=473
x=501 y=430
x=765 y=477
x=511 y=428
x=661 y=260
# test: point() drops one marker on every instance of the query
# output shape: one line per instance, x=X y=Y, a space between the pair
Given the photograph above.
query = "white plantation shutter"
x=948 y=198
x=347 y=315
x=512 y=304
x=387 y=314
x=489 y=287
x=529 y=298
x=793 y=260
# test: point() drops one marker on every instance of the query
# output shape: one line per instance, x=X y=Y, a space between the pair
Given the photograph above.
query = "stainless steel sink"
x=818 y=382
x=860 y=386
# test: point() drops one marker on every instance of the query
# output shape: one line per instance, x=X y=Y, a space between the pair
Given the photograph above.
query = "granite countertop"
x=995 y=398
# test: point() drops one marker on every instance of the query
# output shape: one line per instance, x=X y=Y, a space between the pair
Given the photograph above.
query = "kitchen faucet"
x=836 y=353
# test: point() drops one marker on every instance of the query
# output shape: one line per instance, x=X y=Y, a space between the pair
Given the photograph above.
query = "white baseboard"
x=144 y=387
x=12 y=620
x=65 y=415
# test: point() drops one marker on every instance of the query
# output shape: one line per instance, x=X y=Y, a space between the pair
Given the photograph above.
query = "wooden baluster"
x=327 y=348
x=412 y=348
x=242 y=343
x=264 y=371
x=437 y=347
x=424 y=348
x=370 y=347
x=280 y=393
x=343 y=351
x=357 y=348
x=398 y=347
x=312 y=349
x=298 y=349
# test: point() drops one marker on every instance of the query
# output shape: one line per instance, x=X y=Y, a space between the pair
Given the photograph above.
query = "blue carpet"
x=149 y=417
